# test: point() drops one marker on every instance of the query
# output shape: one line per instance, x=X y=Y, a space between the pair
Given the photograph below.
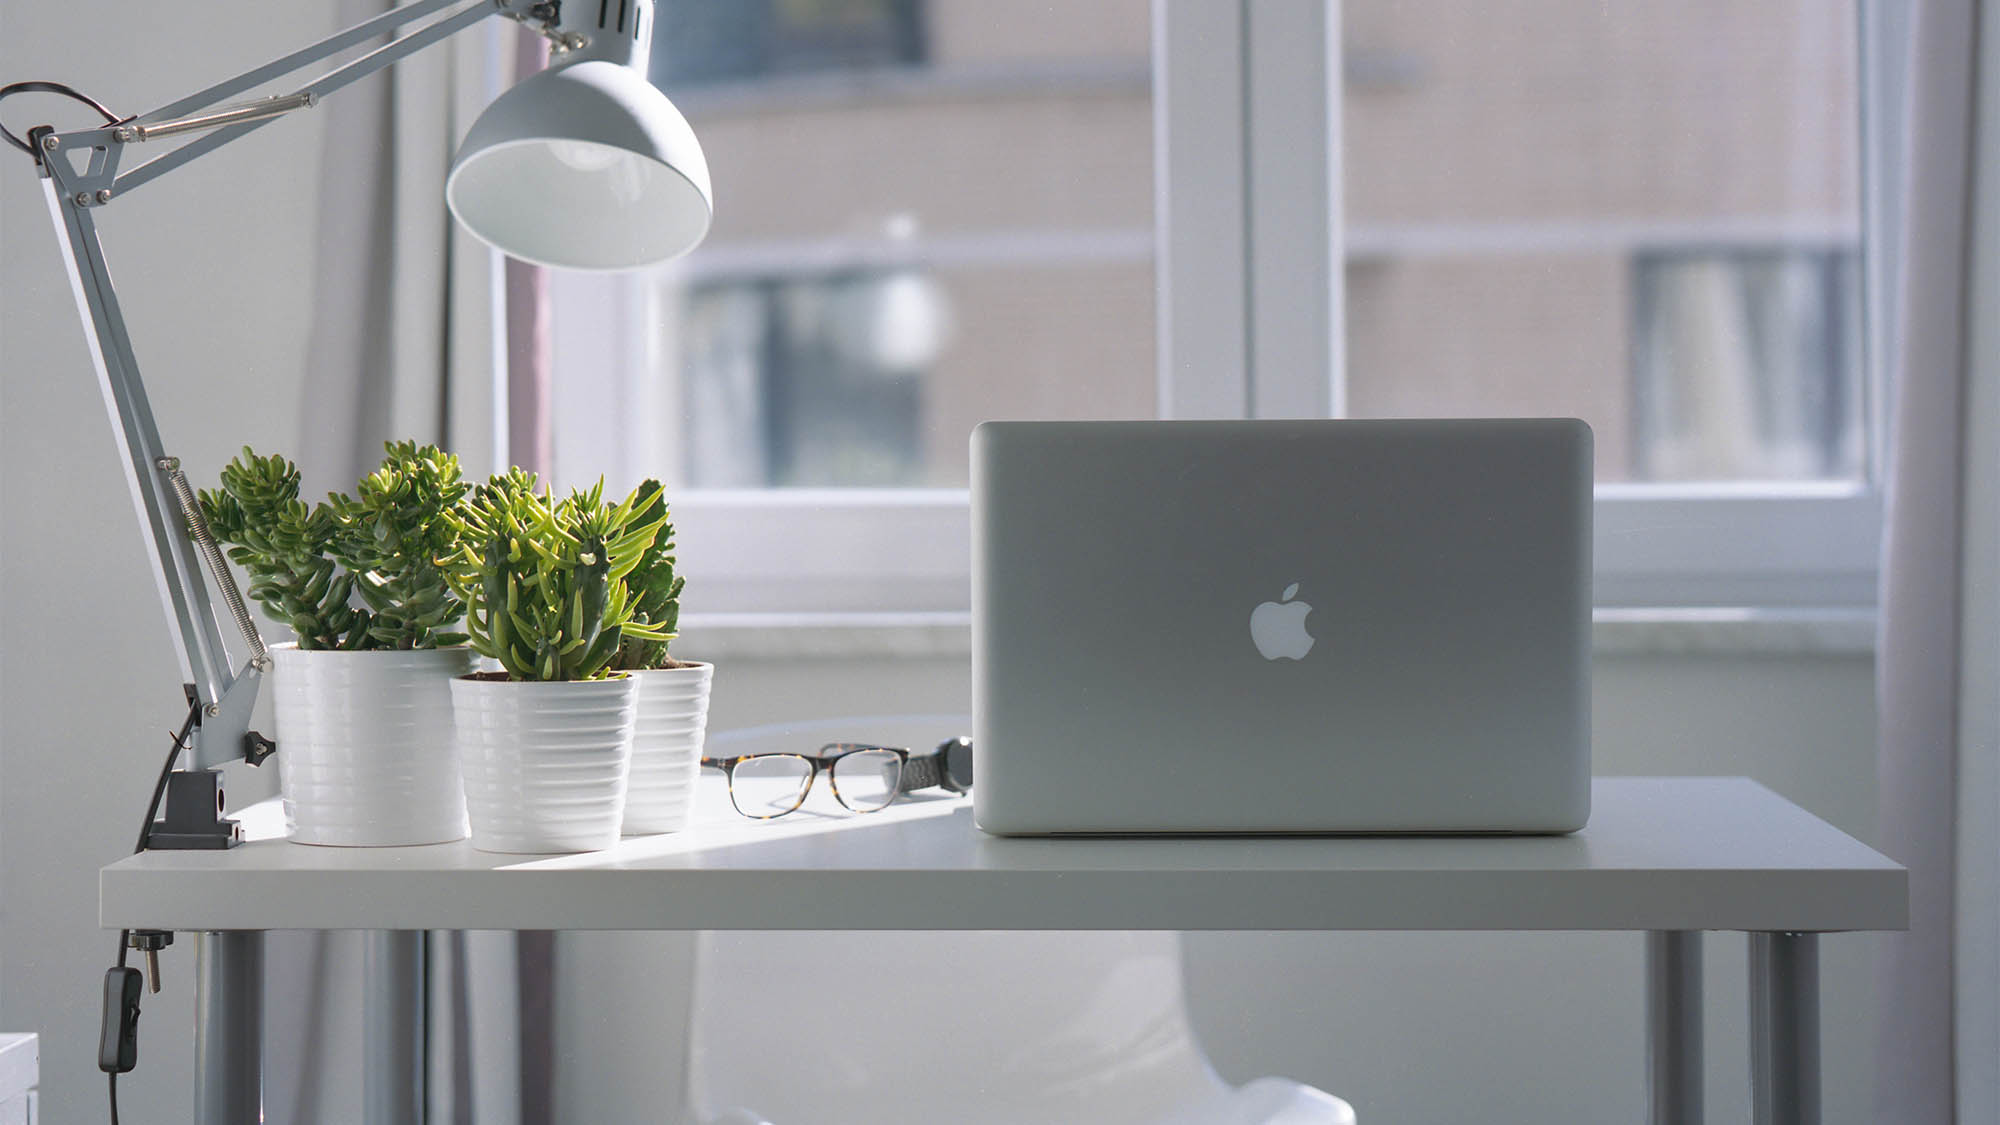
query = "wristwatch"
x=949 y=767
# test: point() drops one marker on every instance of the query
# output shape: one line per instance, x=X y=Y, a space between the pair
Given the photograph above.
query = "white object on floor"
x=20 y=1073
x=1002 y=1027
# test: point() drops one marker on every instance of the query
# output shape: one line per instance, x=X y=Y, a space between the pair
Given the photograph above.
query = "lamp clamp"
x=256 y=748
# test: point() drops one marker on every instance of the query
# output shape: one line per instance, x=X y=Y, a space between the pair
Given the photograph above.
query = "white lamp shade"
x=585 y=167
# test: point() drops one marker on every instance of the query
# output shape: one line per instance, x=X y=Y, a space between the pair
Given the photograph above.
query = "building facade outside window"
x=938 y=211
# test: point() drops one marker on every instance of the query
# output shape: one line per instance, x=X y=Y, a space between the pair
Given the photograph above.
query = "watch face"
x=957 y=757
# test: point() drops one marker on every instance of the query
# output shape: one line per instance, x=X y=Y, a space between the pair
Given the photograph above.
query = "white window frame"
x=1249 y=204
x=1250 y=258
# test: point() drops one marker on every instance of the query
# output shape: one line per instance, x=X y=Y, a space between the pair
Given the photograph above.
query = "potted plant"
x=673 y=694
x=362 y=699
x=545 y=744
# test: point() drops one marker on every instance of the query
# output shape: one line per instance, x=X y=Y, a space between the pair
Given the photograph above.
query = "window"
x=937 y=211
x=1649 y=216
x=1644 y=215
x=1746 y=365
x=928 y=214
x=810 y=381
x=699 y=43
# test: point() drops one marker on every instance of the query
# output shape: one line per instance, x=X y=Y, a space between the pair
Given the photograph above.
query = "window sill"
x=724 y=637
x=727 y=637
x=1818 y=631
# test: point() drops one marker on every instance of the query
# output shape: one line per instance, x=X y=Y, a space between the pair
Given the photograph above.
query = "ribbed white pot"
x=365 y=750
x=666 y=748
x=545 y=764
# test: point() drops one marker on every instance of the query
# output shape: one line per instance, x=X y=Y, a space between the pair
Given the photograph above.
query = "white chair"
x=959 y=1027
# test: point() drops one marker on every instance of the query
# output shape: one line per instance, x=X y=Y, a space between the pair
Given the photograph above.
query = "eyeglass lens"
x=770 y=784
x=866 y=780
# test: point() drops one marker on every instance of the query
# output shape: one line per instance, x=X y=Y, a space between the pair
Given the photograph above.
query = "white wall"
x=212 y=264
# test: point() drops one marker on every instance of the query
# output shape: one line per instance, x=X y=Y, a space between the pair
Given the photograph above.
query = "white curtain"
x=1939 y=651
x=1975 y=933
x=408 y=341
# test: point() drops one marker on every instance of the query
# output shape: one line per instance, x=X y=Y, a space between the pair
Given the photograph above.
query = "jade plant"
x=390 y=537
x=309 y=565
x=655 y=590
x=544 y=580
x=284 y=547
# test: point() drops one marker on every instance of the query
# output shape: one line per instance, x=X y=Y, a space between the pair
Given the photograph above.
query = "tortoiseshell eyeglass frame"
x=822 y=761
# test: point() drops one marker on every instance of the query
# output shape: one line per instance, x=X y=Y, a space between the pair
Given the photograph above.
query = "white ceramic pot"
x=365 y=751
x=666 y=748
x=545 y=763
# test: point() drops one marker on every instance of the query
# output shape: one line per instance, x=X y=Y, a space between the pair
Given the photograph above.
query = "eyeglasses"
x=764 y=786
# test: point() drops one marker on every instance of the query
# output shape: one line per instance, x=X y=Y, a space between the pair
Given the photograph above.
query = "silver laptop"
x=1253 y=627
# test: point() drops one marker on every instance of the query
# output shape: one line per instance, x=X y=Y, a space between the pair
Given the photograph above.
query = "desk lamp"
x=584 y=165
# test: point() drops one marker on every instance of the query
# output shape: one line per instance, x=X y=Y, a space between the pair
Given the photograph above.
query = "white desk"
x=1668 y=856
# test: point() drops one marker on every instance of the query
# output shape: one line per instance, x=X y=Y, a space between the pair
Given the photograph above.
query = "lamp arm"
x=225 y=695
x=303 y=57
x=256 y=115
x=101 y=181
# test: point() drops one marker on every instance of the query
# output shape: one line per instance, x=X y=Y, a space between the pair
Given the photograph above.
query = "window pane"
x=928 y=213
x=1643 y=214
x=1730 y=358
x=699 y=42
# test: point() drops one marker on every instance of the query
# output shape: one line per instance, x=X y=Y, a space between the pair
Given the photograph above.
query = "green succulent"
x=284 y=548
x=390 y=538
x=655 y=588
x=544 y=581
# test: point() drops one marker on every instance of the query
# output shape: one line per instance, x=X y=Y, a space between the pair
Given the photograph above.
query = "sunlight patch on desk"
x=718 y=827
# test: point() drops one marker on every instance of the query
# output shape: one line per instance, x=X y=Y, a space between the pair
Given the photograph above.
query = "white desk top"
x=1659 y=853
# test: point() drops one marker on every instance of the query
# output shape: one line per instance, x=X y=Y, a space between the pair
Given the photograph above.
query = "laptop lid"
x=1310 y=626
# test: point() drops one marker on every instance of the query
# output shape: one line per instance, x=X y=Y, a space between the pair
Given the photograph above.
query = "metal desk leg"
x=392 y=1027
x=1673 y=1027
x=229 y=1027
x=1784 y=1028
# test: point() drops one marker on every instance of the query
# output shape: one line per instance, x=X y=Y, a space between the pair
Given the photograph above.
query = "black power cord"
x=65 y=90
x=122 y=980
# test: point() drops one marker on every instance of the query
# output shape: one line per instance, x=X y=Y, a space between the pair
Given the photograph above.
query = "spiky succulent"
x=655 y=588
x=283 y=546
x=390 y=537
x=544 y=581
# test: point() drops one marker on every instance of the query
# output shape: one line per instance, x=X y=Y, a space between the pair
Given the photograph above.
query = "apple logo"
x=1279 y=628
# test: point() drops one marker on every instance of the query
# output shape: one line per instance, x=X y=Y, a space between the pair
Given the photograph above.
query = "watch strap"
x=921 y=773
